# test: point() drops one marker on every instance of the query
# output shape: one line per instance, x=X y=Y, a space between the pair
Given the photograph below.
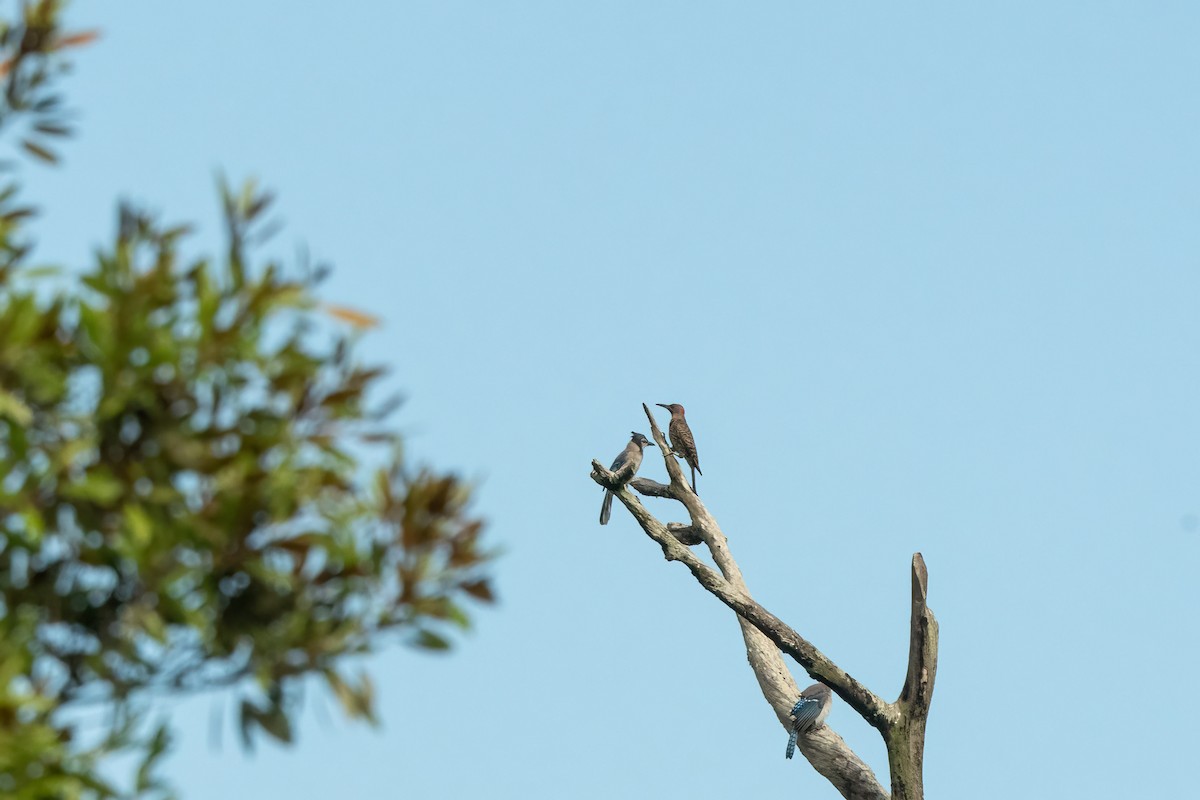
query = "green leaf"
x=428 y=640
x=99 y=486
x=138 y=523
x=155 y=749
x=276 y=722
x=15 y=409
x=44 y=271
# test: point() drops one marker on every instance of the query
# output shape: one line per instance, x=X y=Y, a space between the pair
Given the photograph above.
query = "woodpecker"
x=682 y=443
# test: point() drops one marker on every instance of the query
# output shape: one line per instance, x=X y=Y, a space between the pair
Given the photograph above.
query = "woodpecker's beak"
x=663 y=405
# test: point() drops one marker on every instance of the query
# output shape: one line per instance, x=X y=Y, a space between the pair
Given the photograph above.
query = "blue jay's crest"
x=641 y=440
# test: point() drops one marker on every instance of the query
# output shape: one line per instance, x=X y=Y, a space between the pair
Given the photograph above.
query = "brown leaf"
x=358 y=319
x=480 y=590
x=76 y=39
x=70 y=40
x=38 y=151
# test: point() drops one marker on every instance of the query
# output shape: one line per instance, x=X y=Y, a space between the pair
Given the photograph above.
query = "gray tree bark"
x=901 y=723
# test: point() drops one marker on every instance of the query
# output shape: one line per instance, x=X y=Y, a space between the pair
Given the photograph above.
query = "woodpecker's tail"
x=606 y=509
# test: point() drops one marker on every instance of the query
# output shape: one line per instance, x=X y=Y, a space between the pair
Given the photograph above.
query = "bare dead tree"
x=901 y=723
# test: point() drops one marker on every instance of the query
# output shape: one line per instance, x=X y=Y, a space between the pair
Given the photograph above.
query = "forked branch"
x=902 y=723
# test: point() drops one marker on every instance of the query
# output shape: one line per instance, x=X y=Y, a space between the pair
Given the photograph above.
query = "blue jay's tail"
x=791 y=748
x=606 y=509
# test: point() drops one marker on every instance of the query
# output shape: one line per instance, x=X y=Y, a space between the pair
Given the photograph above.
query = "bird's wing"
x=683 y=442
x=805 y=712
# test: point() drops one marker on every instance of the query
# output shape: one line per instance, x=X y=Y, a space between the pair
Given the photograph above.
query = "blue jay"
x=809 y=713
x=630 y=456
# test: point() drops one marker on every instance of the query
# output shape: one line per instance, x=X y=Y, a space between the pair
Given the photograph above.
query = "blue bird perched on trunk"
x=809 y=713
x=629 y=459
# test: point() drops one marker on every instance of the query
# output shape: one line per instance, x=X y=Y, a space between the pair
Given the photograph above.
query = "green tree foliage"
x=185 y=501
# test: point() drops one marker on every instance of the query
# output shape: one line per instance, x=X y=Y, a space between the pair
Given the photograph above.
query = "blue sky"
x=927 y=277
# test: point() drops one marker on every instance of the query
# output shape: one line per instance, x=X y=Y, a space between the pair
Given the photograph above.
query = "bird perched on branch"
x=809 y=713
x=682 y=443
x=629 y=460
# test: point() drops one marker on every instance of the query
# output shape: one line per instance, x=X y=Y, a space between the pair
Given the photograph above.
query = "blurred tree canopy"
x=185 y=497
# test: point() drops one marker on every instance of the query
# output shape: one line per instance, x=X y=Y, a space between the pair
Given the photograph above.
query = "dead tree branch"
x=902 y=723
